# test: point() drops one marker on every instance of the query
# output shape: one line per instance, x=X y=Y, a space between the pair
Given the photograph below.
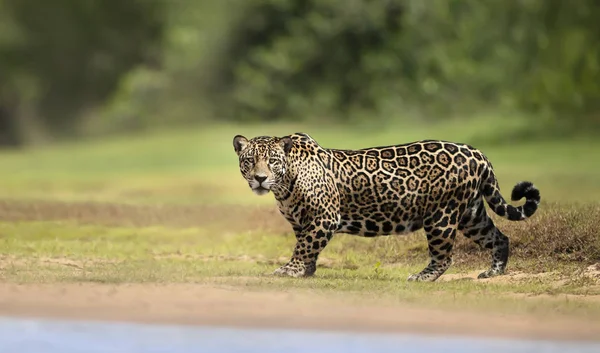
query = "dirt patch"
x=9 y=261
x=593 y=271
x=225 y=217
x=511 y=276
x=557 y=280
x=561 y=297
x=232 y=306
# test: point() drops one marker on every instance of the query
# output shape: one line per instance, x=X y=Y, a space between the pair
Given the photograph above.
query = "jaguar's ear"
x=239 y=143
x=286 y=143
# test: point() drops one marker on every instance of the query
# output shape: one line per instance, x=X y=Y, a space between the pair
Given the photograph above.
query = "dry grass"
x=557 y=235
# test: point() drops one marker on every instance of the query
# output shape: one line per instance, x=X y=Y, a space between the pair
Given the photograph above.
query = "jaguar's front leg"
x=310 y=241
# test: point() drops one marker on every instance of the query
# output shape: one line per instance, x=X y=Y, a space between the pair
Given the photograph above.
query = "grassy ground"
x=199 y=165
x=172 y=207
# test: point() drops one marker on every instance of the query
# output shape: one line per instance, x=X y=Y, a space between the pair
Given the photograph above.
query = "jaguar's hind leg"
x=479 y=227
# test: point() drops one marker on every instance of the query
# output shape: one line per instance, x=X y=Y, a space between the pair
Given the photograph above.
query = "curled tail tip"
x=527 y=190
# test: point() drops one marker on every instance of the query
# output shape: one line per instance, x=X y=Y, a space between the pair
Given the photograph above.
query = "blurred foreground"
x=228 y=319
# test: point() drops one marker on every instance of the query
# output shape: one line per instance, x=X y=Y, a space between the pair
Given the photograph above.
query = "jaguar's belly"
x=373 y=227
x=386 y=216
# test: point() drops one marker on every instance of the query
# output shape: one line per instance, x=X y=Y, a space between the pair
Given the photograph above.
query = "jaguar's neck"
x=286 y=187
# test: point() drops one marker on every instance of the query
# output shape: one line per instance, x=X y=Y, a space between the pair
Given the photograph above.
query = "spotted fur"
x=435 y=185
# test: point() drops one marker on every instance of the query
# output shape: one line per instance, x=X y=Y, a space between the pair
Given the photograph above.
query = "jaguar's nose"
x=260 y=178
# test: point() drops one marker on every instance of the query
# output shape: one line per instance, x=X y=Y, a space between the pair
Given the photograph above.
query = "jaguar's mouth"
x=260 y=190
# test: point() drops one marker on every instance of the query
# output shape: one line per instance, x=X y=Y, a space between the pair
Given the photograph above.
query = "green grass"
x=198 y=166
x=70 y=251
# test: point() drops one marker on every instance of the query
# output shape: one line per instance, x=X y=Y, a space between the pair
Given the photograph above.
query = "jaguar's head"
x=263 y=161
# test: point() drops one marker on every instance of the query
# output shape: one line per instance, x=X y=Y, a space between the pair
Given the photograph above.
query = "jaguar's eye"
x=273 y=161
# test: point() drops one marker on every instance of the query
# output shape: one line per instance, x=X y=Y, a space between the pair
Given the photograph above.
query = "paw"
x=413 y=278
x=420 y=277
x=290 y=271
x=490 y=273
x=424 y=276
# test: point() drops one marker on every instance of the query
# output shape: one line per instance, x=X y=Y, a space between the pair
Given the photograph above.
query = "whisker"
x=281 y=186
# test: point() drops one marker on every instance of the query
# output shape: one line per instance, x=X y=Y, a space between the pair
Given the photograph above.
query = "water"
x=60 y=336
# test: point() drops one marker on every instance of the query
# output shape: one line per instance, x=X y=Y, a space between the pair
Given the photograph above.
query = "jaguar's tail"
x=491 y=193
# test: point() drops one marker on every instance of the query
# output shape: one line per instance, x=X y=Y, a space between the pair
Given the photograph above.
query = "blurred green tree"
x=60 y=58
x=141 y=62
x=289 y=59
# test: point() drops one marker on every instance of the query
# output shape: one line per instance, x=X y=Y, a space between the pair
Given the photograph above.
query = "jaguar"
x=435 y=185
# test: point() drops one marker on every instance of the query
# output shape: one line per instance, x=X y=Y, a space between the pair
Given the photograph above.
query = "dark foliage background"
x=70 y=68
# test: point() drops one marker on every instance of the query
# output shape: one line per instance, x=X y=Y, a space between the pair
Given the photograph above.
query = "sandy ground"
x=231 y=306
